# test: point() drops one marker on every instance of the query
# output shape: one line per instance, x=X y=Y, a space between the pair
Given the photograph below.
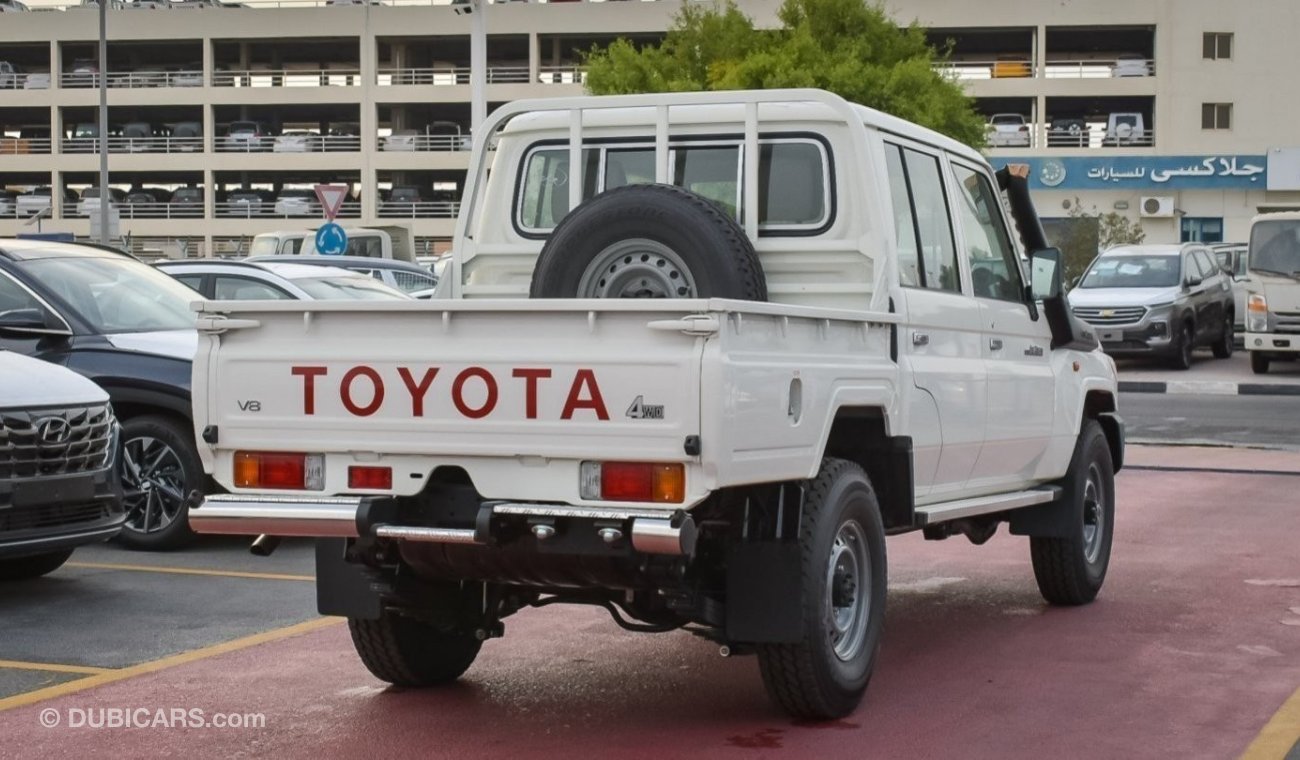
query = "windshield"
x=117 y=295
x=351 y=288
x=1157 y=271
x=1275 y=247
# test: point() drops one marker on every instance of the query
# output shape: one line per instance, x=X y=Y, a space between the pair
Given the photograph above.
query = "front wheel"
x=842 y=548
x=1258 y=363
x=161 y=467
x=1181 y=358
x=1071 y=569
x=23 y=568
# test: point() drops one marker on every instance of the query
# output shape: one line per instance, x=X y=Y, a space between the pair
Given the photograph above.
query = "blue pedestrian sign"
x=331 y=240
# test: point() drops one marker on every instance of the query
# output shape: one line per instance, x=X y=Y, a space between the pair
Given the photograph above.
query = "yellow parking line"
x=144 y=668
x=189 y=571
x=1279 y=735
x=53 y=667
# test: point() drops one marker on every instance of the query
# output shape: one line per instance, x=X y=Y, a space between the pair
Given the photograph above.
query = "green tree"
x=845 y=46
x=1085 y=233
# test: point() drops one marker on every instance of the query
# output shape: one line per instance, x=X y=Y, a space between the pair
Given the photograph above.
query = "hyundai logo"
x=53 y=431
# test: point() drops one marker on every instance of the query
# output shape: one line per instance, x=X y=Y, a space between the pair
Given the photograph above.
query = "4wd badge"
x=639 y=410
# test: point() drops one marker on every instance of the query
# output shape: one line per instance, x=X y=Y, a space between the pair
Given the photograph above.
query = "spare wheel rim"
x=637 y=268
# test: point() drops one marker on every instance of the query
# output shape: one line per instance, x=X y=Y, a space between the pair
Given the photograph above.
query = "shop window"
x=1202 y=229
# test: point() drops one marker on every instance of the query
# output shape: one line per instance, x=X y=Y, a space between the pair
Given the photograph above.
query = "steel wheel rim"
x=153 y=479
x=848 y=591
x=637 y=268
x=1094 y=514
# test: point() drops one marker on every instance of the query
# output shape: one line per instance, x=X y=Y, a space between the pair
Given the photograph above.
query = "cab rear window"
x=798 y=170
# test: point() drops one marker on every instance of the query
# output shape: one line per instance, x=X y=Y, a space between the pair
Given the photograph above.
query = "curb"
x=1208 y=388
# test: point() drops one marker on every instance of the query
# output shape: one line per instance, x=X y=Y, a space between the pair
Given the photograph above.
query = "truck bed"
x=518 y=393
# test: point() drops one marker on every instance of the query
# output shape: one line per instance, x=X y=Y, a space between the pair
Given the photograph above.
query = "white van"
x=387 y=242
x=1273 y=290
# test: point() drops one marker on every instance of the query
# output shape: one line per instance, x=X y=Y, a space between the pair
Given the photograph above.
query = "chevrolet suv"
x=1157 y=300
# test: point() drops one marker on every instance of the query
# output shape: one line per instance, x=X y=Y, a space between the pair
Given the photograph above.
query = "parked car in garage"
x=185 y=75
x=37 y=80
x=297 y=141
x=1131 y=65
x=1126 y=129
x=247 y=203
x=185 y=137
x=8 y=204
x=60 y=455
x=247 y=137
x=130 y=329
x=187 y=201
x=11 y=76
x=38 y=199
x=400 y=275
x=402 y=200
x=89 y=203
x=1008 y=130
x=139 y=137
x=1067 y=133
x=264 y=280
x=291 y=202
x=1157 y=300
x=145 y=203
x=84 y=72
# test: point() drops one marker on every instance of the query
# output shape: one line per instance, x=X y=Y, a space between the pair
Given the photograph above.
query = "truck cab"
x=1273 y=290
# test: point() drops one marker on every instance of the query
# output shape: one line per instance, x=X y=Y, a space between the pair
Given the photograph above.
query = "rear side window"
x=794 y=180
x=927 y=255
x=994 y=263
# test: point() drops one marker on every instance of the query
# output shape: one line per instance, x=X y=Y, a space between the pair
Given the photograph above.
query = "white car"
x=37 y=80
x=12 y=6
x=1008 y=130
x=403 y=140
x=1131 y=65
x=297 y=203
x=89 y=206
x=34 y=202
x=297 y=142
x=277 y=281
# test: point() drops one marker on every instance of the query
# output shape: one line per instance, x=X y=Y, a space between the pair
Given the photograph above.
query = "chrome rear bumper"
x=346 y=517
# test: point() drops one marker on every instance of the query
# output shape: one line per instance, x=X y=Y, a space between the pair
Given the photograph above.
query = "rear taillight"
x=279 y=470
x=370 y=477
x=660 y=482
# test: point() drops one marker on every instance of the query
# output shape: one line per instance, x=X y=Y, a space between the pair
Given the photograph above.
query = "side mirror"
x=1191 y=281
x=27 y=322
x=1045 y=274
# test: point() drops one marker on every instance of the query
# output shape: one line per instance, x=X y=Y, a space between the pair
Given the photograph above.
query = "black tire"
x=1226 y=342
x=622 y=244
x=407 y=652
x=809 y=679
x=155 y=520
x=1184 y=336
x=23 y=568
x=1070 y=570
x=1258 y=363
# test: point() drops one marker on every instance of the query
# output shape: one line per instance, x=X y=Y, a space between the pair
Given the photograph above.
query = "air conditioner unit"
x=1157 y=205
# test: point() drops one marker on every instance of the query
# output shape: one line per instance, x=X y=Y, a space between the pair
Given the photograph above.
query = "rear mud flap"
x=343 y=588
x=764 y=593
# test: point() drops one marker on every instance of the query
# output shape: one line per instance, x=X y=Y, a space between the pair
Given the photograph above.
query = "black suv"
x=129 y=328
x=59 y=464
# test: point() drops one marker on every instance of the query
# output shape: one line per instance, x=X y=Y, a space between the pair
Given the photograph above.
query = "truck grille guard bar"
x=351 y=517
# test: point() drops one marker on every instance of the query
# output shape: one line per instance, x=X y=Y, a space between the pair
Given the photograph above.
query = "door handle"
x=995 y=344
x=920 y=339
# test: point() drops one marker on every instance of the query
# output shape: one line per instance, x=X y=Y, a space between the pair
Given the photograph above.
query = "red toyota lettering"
x=308 y=375
x=458 y=385
x=584 y=378
x=376 y=382
x=417 y=390
x=531 y=376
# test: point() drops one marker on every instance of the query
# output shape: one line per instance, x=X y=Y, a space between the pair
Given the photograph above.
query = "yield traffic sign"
x=331 y=198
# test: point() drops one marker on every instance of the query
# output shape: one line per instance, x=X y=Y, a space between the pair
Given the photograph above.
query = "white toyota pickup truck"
x=698 y=355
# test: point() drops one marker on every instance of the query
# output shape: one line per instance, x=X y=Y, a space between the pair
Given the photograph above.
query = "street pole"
x=103 y=121
x=477 y=66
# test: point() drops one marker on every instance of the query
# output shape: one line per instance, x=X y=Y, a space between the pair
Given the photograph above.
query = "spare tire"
x=648 y=241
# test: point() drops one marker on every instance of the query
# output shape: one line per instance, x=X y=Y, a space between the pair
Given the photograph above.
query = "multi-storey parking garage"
x=221 y=116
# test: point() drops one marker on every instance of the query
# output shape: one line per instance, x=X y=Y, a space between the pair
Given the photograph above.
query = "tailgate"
x=516 y=392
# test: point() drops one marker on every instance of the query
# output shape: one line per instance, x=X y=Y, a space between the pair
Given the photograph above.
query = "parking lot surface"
x=1192 y=650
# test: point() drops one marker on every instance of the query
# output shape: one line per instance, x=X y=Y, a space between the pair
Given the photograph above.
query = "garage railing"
x=289 y=144
x=419 y=209
x=134 y=145
x=274 y=209
x=19 y=146
x=332 y=77
x=424 y=143
x=1100 y=68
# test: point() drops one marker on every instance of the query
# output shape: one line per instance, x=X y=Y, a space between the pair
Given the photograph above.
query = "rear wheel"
x=405 y=651
x=161 y=467
x=1258 y=363
x=842 y=543
x=22 y=568
x=1224 y=345
x=1070 y=569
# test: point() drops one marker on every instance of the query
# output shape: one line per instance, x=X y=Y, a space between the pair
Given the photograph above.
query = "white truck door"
x=1016 y=348
x=940 y=341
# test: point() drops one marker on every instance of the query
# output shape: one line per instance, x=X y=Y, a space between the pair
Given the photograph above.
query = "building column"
x=208 y=62
x=1040 y=121
x=534 y=58
x=209 y=203
x=369 y=121
x=209 y=128
x=56 y=63
x=1040 y=52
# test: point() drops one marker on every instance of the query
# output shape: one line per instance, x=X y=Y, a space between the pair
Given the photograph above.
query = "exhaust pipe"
x=655 y=535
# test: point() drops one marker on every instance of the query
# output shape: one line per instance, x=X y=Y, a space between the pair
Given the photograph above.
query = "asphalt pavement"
x=1192 y=651
x=1264 y=421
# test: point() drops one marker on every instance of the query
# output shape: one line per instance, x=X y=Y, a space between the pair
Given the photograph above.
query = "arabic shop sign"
x=1146 y=172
